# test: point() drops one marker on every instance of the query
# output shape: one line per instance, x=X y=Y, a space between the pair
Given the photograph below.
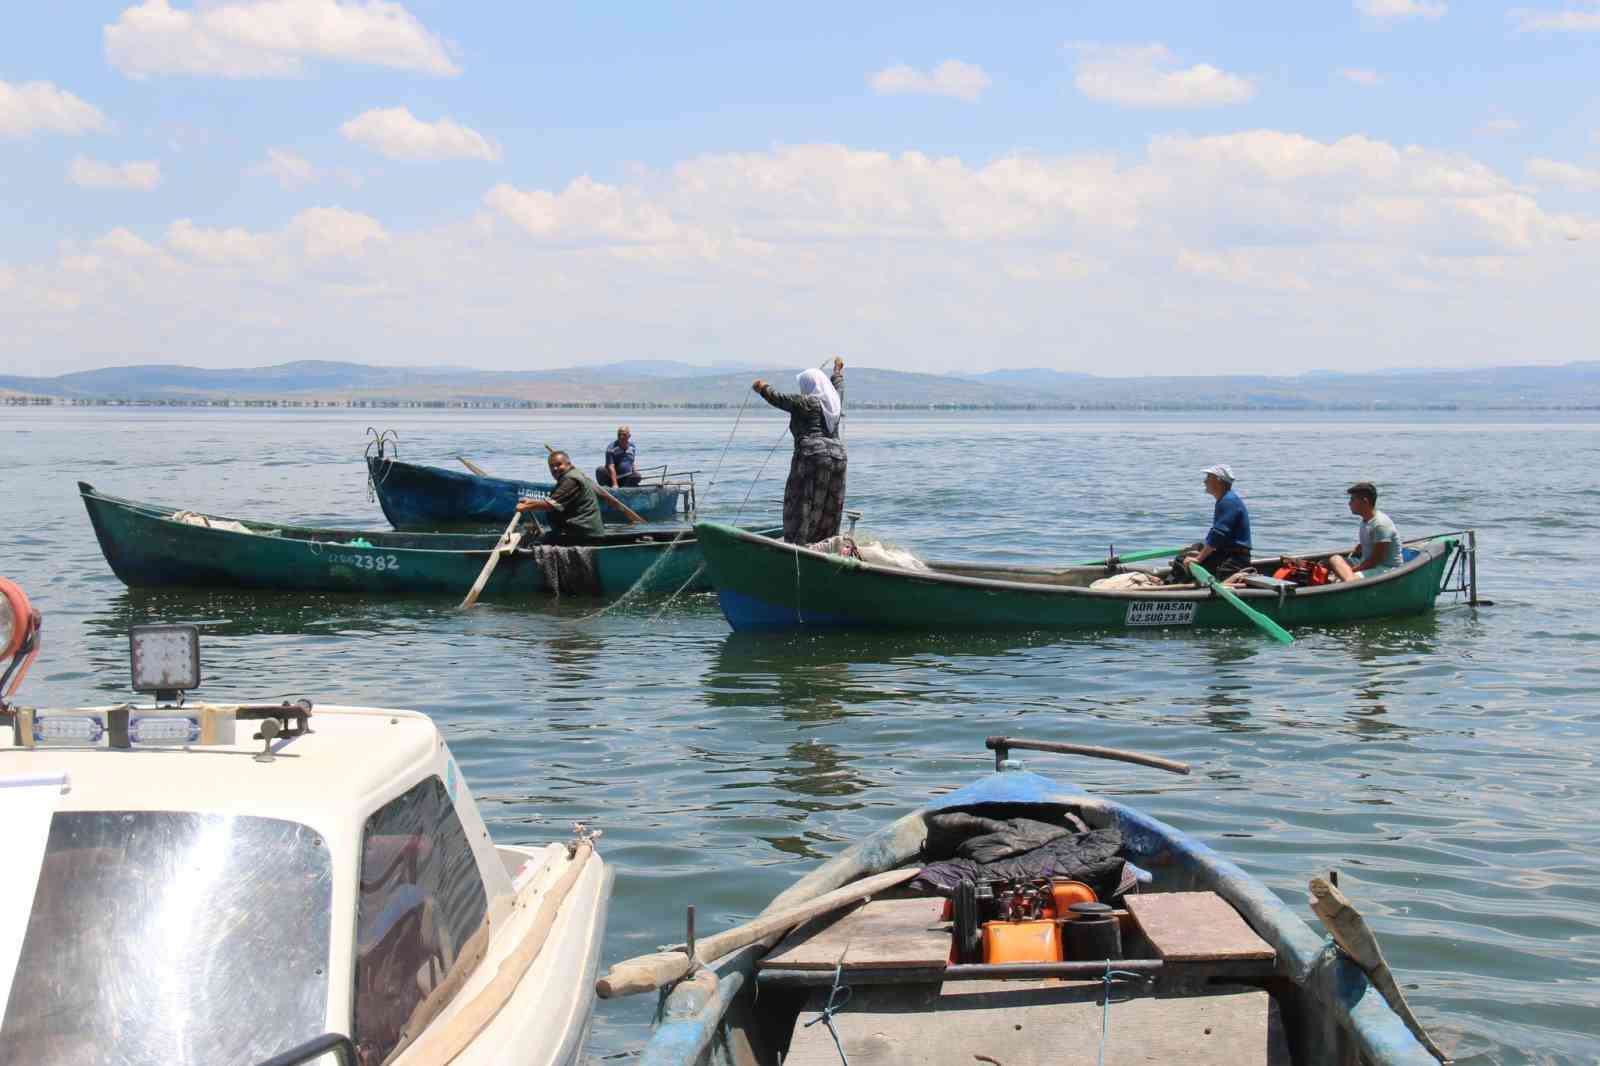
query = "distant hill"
x=674 y=384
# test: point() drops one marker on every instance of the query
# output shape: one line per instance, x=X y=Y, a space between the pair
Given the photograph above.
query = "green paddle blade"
x=1259 y=620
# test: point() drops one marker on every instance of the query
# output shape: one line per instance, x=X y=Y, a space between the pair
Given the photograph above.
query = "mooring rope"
x=833 y=1006
x=1105 y=1007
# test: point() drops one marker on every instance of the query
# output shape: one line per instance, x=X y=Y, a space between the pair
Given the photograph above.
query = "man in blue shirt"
x=620 y=457
x=1226 y=547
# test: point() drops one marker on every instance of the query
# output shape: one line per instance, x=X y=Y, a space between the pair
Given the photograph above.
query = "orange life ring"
x=22 y=645
x=21 y=616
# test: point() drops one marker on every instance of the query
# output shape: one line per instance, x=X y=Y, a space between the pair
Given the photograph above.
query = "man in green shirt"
x=573 y=507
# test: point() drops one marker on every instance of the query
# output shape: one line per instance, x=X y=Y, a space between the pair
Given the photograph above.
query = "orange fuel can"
x=1031 y=941
x=1065 y=893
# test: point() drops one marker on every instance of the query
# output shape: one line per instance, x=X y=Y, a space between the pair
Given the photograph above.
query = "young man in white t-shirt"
x=1379 y=547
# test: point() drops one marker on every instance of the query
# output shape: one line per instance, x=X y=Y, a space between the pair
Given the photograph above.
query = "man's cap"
x=1363 y=488
x=1221 y=471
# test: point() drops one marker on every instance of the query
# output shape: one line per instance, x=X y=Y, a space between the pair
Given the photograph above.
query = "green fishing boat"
x=766 y=584
x=150 y=545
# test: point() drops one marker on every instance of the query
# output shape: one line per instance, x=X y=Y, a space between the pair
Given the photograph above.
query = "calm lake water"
x=1446 y=765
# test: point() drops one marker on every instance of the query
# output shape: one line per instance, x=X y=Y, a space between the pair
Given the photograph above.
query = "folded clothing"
x=1090 y=857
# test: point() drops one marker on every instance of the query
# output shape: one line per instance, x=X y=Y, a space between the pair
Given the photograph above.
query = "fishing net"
x=567 y=570
x=869 y=551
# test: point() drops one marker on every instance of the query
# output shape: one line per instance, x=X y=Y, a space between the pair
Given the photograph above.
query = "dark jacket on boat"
x=805 y=412
x=576 y=514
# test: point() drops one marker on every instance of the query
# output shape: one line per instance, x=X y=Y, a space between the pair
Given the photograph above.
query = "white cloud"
x=1251 y=243
x=398 y=134
x=1567 y=21
x=1401 y=9
x=1500 y=127
x=1554 y=172
x=586 y=210
x=1251 y=267
x=963 y=81
x=39 y=105
x=121 y=241
x=1361 y=76
x=93 y=174
x=333 y=232
x=1144 y=76
x=219 y=246
x=289 y=169
x=270 y=38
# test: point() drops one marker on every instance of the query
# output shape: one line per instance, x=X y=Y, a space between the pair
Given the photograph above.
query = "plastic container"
x=1093 y=933
x=1066 y=893
x=1038 y=940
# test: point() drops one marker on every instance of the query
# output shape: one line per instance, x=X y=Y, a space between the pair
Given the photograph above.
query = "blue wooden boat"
x=417 y=497
x=150 y=545
x=1208 y=965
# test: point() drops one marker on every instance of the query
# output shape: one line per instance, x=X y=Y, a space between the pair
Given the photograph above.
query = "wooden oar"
x=472 y=466
x=1355 y=939
x=649 y=972
x=502 y=546
x=1132 y=557
x=627 y=512
x=1257 y=619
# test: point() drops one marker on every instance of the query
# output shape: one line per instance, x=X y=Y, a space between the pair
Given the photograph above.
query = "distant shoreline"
x=642 y=405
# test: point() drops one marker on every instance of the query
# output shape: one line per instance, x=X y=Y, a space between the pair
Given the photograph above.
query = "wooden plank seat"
x=880 y=934
x=1200 y=930
x=1041 y=1024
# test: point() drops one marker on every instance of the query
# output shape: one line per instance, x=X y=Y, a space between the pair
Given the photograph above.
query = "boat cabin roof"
x=351 y=759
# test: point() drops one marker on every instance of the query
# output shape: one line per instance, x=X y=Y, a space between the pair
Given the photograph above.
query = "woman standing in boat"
x=813 y=498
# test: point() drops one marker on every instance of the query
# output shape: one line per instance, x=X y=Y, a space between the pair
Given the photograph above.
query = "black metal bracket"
x=293 y=718
x=313 y=1049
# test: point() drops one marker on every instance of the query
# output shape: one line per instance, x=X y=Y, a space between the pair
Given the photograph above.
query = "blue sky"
x=1116 y=188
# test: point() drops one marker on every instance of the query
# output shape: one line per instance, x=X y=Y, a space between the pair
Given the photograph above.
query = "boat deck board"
x=881 y=934
x=1196 y=927
x=1040 y=1023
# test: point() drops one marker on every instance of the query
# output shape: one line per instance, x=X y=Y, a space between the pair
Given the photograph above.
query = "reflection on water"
x=1446 y=764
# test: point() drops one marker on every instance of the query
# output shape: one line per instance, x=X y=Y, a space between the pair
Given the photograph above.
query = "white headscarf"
x=814 y=383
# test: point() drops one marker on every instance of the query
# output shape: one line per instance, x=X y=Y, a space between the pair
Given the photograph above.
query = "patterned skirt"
x=813 y=499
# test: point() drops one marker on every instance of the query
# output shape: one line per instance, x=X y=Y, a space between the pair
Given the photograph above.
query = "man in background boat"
x=1226 y=548
x=620 y=459
x=1378 y=549
x=573 y=506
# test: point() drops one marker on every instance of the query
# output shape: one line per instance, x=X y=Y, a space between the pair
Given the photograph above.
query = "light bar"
x=164 y=658
x=68 y=729
x=163 y=729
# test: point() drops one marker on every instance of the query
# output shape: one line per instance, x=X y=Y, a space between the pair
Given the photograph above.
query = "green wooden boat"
x=766 y=584
x=148 y=546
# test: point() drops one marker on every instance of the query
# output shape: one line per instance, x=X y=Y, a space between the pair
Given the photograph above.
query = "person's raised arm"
x=784 y=401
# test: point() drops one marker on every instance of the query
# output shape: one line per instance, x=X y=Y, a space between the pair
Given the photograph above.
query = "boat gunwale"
x=679 y=487
x=1431 y=548
x=258 y=528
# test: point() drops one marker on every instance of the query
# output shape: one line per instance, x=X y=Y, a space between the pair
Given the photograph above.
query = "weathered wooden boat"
x=275 y=884
x=1186 y=958
x=154 y=545
x=763 y=583
x=431 y=498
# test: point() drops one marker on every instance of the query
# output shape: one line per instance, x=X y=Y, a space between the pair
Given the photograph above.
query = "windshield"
x=161 y=937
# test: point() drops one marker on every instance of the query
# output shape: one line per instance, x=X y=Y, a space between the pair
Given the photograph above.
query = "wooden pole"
x=627 y=512
x=472 y=466
x=503 y=546
x=443 y=1044
x=645 y=973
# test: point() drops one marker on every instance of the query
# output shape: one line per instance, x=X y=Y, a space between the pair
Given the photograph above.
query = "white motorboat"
x=192 y=883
